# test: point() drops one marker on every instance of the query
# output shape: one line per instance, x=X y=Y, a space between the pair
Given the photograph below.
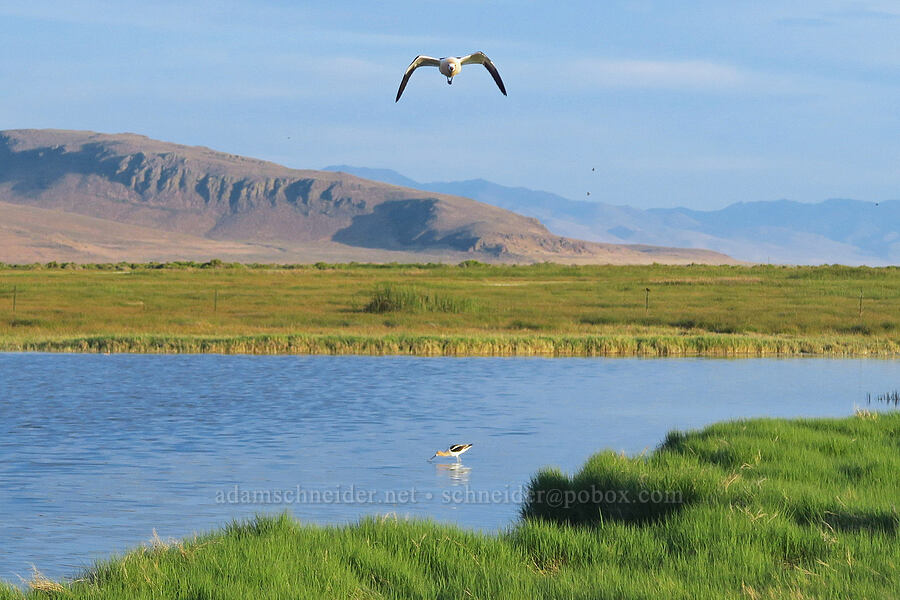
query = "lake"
x=97 y=452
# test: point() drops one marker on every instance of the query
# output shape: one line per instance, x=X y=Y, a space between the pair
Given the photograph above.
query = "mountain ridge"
x=831 y=231
x=195 y=191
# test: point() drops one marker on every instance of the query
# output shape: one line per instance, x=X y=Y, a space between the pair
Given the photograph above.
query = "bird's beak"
x=432 y=458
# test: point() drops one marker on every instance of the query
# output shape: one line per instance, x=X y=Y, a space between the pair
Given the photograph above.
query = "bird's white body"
x=450 y=66
x=454 y=450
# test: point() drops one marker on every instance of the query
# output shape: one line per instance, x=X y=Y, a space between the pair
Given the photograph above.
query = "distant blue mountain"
x=782 y=231
x=382 y=175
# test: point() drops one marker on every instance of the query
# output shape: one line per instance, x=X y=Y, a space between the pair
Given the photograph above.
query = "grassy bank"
x=471 y=309
x=717 y=345
x=752 y=509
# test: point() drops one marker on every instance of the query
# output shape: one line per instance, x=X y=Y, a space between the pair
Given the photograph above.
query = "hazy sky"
x=698 y=104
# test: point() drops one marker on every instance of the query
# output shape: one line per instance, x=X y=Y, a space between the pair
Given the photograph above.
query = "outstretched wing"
x=480 y=58
x=420 y=61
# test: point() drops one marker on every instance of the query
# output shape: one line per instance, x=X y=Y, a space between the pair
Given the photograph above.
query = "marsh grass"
x=390 y=298
x=530 y=344
x=766 y=508
x=746 y=464
x=476 y=309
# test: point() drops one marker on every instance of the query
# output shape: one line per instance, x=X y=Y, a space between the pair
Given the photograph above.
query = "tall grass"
x=745 y=465
x=725 y=346
x=764 y=508
x=389 y=298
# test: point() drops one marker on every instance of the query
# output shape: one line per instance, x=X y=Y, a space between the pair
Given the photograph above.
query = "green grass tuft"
x=390 y=298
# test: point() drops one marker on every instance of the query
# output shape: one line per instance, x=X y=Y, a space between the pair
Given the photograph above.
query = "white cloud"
x=665 y=74
x=688 y=75
x=867 y=10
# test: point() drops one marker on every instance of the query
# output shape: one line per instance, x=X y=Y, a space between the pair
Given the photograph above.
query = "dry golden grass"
x=40 y=583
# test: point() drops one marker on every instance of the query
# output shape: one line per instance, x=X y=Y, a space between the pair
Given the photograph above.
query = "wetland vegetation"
x=763 y=508
x=466 y=309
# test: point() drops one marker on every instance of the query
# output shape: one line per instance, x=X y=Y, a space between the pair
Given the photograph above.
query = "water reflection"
x=888 y=398
x=456 y=473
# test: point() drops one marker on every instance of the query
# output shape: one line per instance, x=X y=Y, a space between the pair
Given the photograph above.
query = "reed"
x=724 y=346
x=892 y=397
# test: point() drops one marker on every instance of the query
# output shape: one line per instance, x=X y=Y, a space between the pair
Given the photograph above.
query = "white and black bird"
x=454 y=450
x=450 y=68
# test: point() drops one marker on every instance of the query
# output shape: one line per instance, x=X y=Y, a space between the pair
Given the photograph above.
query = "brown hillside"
x=267 y=209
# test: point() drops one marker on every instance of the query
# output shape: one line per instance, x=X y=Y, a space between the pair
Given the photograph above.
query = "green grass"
x=472 y=309
x=762 y=508
x=390 y=298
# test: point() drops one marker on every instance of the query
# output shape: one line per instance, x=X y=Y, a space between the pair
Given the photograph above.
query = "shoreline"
x=758 y=508
x=550 y=346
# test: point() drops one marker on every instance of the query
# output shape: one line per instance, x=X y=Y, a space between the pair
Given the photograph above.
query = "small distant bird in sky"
x=450 y=67
x=454 y=450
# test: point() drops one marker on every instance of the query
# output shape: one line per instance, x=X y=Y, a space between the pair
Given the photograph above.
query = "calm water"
x=98 y=451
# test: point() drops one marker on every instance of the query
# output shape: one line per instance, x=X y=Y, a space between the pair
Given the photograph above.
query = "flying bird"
x=454 y=450
x=450 y=67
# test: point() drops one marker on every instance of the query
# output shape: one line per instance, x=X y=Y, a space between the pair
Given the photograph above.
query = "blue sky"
x=696 y=104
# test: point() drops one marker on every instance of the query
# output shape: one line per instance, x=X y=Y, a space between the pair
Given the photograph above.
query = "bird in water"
x=450 y=68
x=454 y=450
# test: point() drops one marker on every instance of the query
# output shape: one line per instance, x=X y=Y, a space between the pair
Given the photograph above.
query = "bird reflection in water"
x=456 y=472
